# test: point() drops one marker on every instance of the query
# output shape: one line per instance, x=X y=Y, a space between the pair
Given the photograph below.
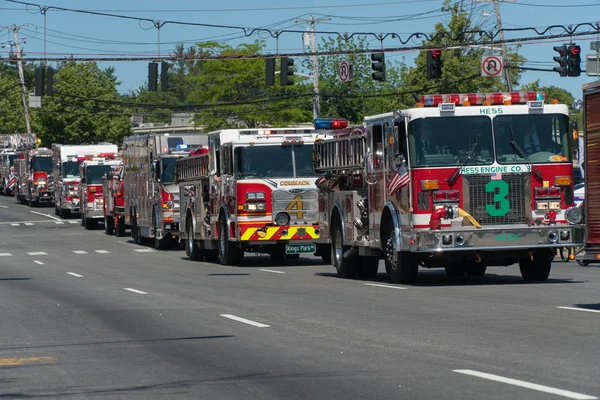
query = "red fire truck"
x=34 y=171
x=461 y=181
x=91 y=171
x=254 y=191
x=113 y=190
x=9 y=144
x=591 y=204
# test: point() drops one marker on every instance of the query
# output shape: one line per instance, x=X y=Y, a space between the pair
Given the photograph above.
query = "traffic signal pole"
x=504 y=52
x=15 y=30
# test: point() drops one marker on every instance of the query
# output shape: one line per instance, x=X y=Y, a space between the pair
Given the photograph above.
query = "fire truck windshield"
x=42 y=164
x=274 y=161
x=543 y=138
x=94 y=173
x=70 y=169
x=11 y=159
x=445 y=141
x=167 y=174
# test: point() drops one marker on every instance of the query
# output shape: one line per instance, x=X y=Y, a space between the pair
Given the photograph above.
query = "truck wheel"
x=63 y=213
x=120 y=227
x=109 y=225
x=346 y=267
x=88 y=223
x=277 y=253
x=32 y=203
x=537 y=270
x=476 y=269
x=369 y=266
x=400 y=265
x=191 y=250
x=455 y=270
x=56 y=210
x=229 y=254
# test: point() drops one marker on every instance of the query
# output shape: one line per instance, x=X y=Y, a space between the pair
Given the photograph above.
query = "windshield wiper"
x=271 y=181
x=454 y=177
x=536 y=172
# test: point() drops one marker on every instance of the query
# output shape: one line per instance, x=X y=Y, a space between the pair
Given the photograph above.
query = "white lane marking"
x=135 y=291
x=145 y=250
x=38 y=262
x=75 y=275
x=271 y=270
x=73 y=222
x=1 y=206
x=5 y=254
x=20 y=222
x=59 y=222
x=37 y=253
x=46 y=215
x=579 y=309
x=102 y=251
x=384 y=286
x=29 y=223
x=14 y=224
x=527 y=385
x=80 y=252
x=245 y=321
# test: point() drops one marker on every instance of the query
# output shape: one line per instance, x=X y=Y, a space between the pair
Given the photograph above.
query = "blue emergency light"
x=331 y=123
x=182 y=146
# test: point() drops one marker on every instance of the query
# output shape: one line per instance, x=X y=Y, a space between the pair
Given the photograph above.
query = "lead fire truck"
x=9 y=143
x=92 y=169
x=461 y=181
x=65 y=173
x=151 y=196
x=34 y=171
x=254 y=191
x=591 y=204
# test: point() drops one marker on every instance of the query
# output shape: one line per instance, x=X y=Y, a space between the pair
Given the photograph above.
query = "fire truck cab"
x=462 y=181
x=254 y=191
x=91 y=171
x=8 y=176
x=34 y=171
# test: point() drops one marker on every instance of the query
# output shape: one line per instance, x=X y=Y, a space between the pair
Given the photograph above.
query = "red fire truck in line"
x=113 y=190
x=91 y=171
x=462 y=181
x=9 y=144
x=254 y=191
x=34 y=171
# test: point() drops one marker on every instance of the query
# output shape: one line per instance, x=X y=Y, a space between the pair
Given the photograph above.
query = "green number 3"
x=501 y=205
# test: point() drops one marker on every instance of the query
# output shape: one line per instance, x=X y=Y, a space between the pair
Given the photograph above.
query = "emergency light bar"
x=485 y=99
x=331 y=123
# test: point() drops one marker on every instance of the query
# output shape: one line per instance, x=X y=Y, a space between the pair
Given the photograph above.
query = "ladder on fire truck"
x=192 y=168
x=340 y=155
x=18 y=141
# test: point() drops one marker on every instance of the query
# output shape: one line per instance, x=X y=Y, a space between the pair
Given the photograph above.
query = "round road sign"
x=491 y=66
x=344 y=71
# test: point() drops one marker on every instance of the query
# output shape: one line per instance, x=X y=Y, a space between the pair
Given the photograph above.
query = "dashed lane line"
x=271 y=270
x=5 y=254
x=135 y=290
x=1 y=206
x=59 y=223
x=72 y=222
x=245 y=321
x=29 y=223
x=102 y=251
x=580 y=309
x=145 y=250
x=75 y=275
x=384 y=286
x=14 y=224
x=38 y=262
x=527 y=385
x=37 y=253
x=80 y=252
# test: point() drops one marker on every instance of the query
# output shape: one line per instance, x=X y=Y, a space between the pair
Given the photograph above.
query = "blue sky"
x=80 y=34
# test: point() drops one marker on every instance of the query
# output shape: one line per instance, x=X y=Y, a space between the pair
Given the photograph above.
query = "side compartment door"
x=215 y=184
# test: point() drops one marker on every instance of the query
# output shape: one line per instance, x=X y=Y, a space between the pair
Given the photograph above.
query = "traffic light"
x=49 y=81
x=287 y=71
x=434 y=64
x=574 y=60
x=152 y=77
x=39 y=81
x=378 y=66
x=563 y=60
x=164 y=76
x=270 y=72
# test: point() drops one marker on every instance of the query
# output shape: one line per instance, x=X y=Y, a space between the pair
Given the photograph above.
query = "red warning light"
x=436 y=53
x=575 y=50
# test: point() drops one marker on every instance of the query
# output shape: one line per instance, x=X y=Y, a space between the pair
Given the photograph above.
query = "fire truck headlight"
x=255 y=196
x=541 y=205
x=282 y=219
x=256 y=207
x=574 y=215
x=554 y=205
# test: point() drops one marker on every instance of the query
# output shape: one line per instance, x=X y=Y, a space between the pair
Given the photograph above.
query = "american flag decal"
x=399 y=179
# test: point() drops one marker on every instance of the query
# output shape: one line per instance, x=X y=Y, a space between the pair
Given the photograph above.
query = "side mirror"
x=156 y=170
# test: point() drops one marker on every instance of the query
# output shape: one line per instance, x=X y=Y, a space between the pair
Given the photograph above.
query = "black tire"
x=537 y=270
x=63 y=213
x=32 y=203
x=455 y=270
x=346 y=267
x=229 y=254
x=109 y=225
x=82 y=218
x=277 y=254
x=400 y=265
x=89 y=223
x=476 y=269
x=583 y=263
x=369 y=266
x=191 y=249
x=326 y=255
x=56 y=210
x=120 y=228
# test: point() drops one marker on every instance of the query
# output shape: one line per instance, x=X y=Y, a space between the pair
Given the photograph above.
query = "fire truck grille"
x=300 y=204
x=506 y=202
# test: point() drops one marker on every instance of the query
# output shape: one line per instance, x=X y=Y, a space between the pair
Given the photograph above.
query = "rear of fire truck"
x=461 y=182
x=92 y=172
x=591 y=204
x=113 y=190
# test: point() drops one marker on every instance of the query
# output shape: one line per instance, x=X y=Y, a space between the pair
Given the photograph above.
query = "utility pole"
x=315 y=61
x=15 y=30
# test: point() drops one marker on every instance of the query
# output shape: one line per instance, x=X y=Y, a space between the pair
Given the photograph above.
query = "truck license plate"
x=308 y=248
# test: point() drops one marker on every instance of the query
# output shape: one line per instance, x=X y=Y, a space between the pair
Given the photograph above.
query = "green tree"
x=85 y=107
x=12 y=119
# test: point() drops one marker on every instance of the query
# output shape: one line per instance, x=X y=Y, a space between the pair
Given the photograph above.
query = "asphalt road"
x=88 y=315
